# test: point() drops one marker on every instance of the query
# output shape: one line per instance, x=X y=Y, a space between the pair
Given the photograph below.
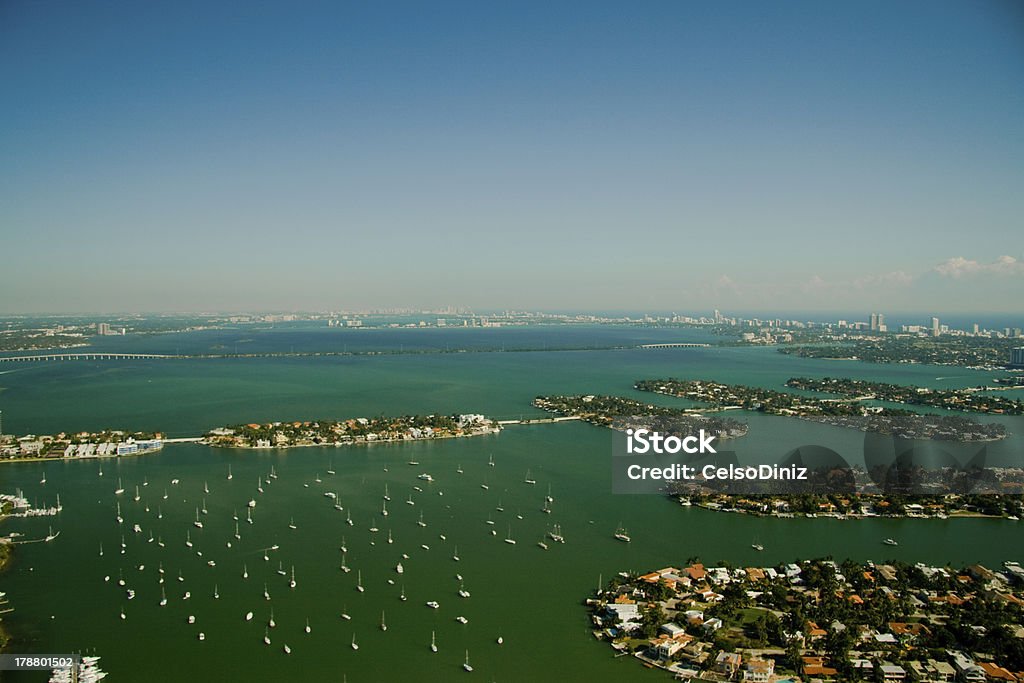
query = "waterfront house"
x=728 y=663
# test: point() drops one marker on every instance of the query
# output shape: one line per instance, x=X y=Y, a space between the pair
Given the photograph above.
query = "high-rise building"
x=974 y=328
x=1017 y=356
x=874 y=322
x=104 y=329
x=935 y=327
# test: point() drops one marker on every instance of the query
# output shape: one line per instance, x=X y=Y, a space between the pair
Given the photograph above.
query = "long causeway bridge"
x=84 y=356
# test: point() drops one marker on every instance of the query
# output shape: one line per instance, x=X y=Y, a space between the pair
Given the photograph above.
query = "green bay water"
x=530 y=597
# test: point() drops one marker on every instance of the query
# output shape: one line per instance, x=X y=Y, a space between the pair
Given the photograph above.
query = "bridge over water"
x=84 y=356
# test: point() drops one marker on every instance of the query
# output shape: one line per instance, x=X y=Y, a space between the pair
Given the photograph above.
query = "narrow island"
x=353 y=431
x=620 y=412
x=849 y=412
x=819 y=619
x=970 y=400
x=102 y=444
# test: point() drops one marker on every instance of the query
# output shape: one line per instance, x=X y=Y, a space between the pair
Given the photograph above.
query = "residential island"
x=844 y=412
x=820 y=620
x=359 y=430
x=970 y=399
x=620 y=412
x=105 y=443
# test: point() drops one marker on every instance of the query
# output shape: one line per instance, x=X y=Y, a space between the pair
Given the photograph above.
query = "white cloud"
x=959 y=267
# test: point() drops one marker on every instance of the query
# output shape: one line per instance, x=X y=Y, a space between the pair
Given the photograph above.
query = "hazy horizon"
x=674 y=156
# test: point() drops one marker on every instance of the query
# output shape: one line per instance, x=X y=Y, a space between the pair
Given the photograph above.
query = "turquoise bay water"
x=531 y=597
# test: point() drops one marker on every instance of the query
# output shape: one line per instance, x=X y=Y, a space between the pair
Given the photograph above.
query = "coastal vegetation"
x=950 y=399
x=964 y=351
x=839 y=412
x=819 y=619
x=351 y=431
x=607 y=411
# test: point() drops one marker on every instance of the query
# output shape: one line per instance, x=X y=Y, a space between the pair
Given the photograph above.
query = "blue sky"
x=662 y=156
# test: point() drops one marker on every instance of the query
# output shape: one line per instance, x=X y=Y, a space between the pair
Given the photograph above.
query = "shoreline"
x=340 y=444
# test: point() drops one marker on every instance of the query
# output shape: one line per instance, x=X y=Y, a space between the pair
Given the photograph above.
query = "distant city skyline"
x=676 y=156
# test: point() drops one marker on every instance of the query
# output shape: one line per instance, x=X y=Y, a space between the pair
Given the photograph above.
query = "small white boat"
x=308 y=629
x=433 y=604
x=354 y=645
x=248 y=616
x=466 y=665
x=461 y=619
x=433 y=642
x=287 y=650
x=266 y=637
x=202 y=636
x=399 y=568
x=383 y=624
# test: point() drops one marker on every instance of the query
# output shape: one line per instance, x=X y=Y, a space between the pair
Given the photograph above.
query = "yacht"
x=425 y=477
x=201 y=636
x=757 y=546
x=248 y=616
x=463 y=593
x=461 y=619
x=622 y=535
x=399 y=568
x=890 y=541
x=433 y=604
x=287 y=650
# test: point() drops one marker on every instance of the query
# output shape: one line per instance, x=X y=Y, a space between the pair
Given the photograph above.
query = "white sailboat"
x=529 y=479
x=245 y=571
x=120 y=489
x=433 y=642
x=383 y=624
x=308 y=629
x=197 y=523
x=359 y=582
x=229 y=473
x=354 y=645
x=292 y=582
x=509 y=539
x=466 y=665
